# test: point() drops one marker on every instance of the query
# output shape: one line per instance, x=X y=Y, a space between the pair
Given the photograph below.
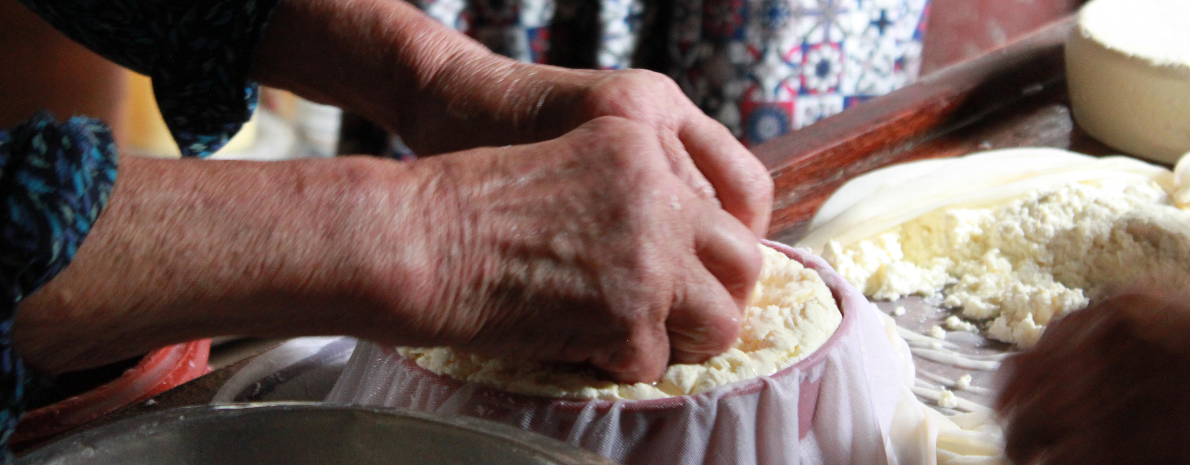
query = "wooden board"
x=1012 y=97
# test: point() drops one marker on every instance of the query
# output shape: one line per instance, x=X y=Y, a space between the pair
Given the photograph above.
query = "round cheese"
x=1128 y=69
x=790 y=315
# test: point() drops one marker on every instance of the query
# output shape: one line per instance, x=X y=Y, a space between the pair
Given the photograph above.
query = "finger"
x=1055 y=390
x=742 y=183
x=642 y=358
x=1029 y=404
x=682 y=165
x=1014 y=381
x=1075 y=449
x=1027 y=434
x=705 y=320
x=730 y=252
x=1157 y=311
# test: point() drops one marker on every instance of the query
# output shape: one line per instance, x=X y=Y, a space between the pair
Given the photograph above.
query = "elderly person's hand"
x=583 y=248
x=539 y=101
x=1105 y=385
x=621 y=231
x=443 y=92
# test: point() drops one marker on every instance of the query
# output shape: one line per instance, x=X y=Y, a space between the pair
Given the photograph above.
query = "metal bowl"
x=305 y=433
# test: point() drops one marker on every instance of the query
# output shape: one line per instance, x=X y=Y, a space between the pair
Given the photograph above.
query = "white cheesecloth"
x=863 y=413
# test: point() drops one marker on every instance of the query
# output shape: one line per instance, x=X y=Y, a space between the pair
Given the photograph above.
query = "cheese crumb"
x=1024 y=263
x=899 y=311
x=791 y=314
x=937 y=332
x=953 y=323
x=947 y=399
x=964 y=382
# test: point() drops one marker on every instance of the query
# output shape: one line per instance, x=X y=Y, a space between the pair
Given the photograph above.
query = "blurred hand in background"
x=1105 y=385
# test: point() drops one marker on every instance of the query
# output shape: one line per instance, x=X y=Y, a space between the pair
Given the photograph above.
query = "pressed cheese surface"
x=1014 y=267
x=1128 y=72
x=790 y=315
x=1152 y=30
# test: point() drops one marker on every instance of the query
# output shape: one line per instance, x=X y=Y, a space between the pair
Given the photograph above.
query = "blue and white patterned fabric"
x=760 y=67
x=55 y=177
x=54 y=181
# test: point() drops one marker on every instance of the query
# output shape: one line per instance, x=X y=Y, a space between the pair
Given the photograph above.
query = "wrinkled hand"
x=443 y=93
x=702 y=152
x=498 y=102
x=1107 y=384
x=586 y=248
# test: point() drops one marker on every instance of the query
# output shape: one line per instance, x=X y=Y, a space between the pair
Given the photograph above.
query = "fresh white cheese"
x=1181 y=182
x=954 y=323
x=883 y=199
x=947 y=399
x=790 y=315
x=1128 y=71
x=1013 y=238
x=1027 y=262
x=964 y=382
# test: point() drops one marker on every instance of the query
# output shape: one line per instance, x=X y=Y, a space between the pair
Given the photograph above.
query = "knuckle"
x=709 y=338
x=635 y=360
x=612 y=139
x=718 y=331
x=647 y=77
x=634 y=93
x=750 y=261
x=616 y=133
x=727 y=330
x=756 y=194
x=607 y=124
x=649 y=275
x=763 y=187
x=756 y=176
x=653 y=80
x=668 y=213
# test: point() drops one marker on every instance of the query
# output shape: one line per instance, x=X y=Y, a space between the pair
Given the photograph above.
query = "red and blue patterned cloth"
x=766 y=67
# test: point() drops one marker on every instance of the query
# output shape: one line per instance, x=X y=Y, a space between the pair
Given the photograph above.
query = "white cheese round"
x=1128 y=70
x=790 y=315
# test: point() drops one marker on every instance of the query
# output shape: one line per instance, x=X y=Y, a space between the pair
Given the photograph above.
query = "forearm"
x=402 y=69
x=190 y=249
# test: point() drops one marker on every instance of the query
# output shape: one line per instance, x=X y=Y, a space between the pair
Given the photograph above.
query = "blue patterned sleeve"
x=55 y=179
x=198 y=54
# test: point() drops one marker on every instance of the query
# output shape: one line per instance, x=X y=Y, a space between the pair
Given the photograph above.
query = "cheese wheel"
x=1128 y=69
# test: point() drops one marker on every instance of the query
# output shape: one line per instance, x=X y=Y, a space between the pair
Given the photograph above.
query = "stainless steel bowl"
x=305 y=433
